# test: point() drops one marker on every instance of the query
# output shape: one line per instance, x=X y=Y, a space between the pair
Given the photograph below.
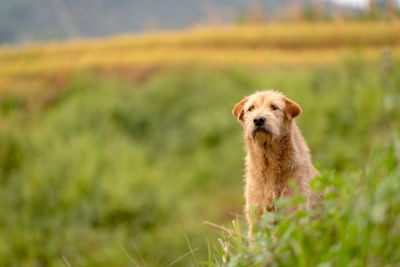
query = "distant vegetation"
x=113 y=152
x=289 y=45
x=27 y=21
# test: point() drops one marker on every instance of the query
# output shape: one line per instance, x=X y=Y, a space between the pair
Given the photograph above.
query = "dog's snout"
x=259 y=120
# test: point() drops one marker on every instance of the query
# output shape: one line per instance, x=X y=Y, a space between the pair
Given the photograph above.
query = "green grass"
x=358 y=224
x=106 y=172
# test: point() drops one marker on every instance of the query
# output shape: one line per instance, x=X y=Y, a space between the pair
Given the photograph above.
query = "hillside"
x=26 y=21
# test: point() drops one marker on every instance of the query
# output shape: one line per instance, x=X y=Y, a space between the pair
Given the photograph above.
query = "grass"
x=106 y=161
x=357 y=226
x=293 y=45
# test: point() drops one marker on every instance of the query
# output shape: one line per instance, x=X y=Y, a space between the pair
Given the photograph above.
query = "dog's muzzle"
x=260 y=130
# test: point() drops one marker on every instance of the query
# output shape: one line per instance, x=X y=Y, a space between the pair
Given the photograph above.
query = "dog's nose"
x=259 y=120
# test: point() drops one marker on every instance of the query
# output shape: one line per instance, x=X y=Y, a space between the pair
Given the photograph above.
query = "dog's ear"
x=238 y=110
x=292 y=109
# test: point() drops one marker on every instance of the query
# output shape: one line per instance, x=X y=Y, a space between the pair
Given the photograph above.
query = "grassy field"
x=117 y=163
x=304 y=44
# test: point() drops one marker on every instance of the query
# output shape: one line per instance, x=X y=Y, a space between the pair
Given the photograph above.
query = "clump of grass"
x=358 y=225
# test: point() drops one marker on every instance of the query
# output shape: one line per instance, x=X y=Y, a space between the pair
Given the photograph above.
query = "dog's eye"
x=274 y=107
x=251 y=108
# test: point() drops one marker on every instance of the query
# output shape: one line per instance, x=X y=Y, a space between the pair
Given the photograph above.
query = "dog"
x=276 y=151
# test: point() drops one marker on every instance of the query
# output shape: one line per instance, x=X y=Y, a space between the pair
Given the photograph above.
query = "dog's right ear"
x=238 y=110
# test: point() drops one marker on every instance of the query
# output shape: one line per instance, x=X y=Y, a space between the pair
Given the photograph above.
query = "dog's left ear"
x=238 y=109
x=292 y=109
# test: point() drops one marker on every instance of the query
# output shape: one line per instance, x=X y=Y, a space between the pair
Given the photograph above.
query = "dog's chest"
x=263 y=186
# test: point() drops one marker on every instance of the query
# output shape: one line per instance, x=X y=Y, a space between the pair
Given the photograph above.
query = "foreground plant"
x=358 y=225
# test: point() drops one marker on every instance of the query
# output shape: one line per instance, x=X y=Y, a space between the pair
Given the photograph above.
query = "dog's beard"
x=261 y=136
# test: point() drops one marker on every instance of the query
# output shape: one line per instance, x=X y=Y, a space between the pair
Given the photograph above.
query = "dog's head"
x=266 y=115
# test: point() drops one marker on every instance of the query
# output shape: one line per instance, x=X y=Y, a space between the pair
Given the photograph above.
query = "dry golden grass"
x=257 y=45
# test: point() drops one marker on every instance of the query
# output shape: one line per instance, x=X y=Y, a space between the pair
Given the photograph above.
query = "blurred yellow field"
x=302 y=44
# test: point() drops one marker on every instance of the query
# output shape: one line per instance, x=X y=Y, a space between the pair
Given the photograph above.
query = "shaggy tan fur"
x=276 y=151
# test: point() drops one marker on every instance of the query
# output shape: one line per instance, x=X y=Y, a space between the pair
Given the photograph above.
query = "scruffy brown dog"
x=276 y=151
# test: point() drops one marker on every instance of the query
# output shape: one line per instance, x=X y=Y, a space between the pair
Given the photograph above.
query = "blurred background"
x=116 y=133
